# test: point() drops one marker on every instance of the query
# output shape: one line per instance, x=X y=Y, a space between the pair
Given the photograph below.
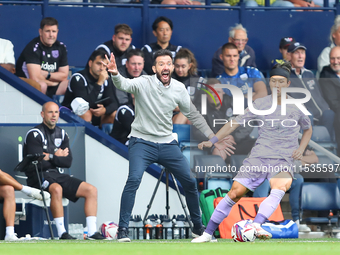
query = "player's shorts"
x=69 y=184
x=52 y=90
x=254 y=171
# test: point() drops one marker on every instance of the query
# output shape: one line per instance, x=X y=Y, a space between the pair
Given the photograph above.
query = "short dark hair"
x=123 y=28
x=48 y=21
x=229 y=46
x=159 y=19
x=96 y=53
x=161 y=53
x=134 y=52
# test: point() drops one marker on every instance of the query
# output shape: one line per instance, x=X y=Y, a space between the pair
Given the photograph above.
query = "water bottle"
x=175 y=229
x=187 y=228
x=159 y=230
x=71 y=229
x=85 y=232
x=167 y=228
x=132 y=228
x=79 y=233
x=180 y=225
x=139 y=227
x=148 y=229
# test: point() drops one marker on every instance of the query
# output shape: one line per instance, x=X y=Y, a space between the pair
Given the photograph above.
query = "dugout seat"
x=320 y=196
x=321 y=136
x=213 y=170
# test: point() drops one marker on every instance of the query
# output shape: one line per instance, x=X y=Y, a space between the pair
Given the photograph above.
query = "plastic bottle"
x=148 y=229
x=180 y=225
x=85 y=232
x=71 y=229
x=139 y=227
x=175 y=229
x=167 y=228
x=187 y=228
x=132 y=228
x=159 y=230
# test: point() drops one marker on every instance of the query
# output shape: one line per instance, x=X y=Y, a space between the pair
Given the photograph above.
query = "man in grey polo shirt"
x=151 y=139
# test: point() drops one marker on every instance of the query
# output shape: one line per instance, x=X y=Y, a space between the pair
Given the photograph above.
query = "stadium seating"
x=320 y=196
x=213 y=170
x=321 y=136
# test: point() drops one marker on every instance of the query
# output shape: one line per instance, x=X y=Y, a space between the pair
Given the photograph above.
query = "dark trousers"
x=142 y=154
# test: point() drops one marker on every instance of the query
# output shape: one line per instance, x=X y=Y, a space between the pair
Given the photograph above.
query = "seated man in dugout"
x=7 y=186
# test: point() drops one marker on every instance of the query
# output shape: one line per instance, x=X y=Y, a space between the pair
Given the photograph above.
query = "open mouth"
x=165 y=75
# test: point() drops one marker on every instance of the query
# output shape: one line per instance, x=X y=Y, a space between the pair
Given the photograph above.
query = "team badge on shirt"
x=57 y=142
x=55 y=53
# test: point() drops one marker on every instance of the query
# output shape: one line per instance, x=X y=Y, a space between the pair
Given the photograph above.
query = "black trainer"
x=196 y=232
x=67 y=236
x=96 y=236
x=123 y=235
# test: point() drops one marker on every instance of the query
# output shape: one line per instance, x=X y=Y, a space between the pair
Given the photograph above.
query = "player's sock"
x=9 y=230
x=59 y=222
x=269 y=205
x=222 y=211
x=91 y=223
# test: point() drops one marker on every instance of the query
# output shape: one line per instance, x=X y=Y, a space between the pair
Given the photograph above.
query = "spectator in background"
x=93 y=84
x=44 y=60
x=304 y=78
x=238 y=36
x=256 y=3
x=304 y=3
x=185 y=66
x=334 y=38
x=243 y=77
x=240 y=138
x=7 y=59
x=126 y=111
x=180 y=2
x=186 y=72
x=283 y=47
x=162 y=29
x=120 y=44
x=330 y=86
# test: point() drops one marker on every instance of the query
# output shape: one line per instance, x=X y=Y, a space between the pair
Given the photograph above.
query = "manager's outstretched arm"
x=226 y=130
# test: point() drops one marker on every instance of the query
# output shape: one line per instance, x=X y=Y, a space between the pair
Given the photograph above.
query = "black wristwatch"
x=51 y=156
x=48 y=76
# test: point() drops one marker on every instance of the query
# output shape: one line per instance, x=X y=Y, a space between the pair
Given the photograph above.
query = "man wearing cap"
x=283 y=47
x=304 y=78
x=238 y=36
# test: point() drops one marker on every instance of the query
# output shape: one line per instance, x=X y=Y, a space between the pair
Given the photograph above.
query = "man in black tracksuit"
x=126 y=111
x=93 y=84
x=162 y=29
x=53 y=142
x=119 y=45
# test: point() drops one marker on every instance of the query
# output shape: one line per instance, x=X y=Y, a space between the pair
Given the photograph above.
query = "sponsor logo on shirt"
x=49 y=67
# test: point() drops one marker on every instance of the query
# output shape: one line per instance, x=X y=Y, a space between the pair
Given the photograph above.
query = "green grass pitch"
x=326 y=246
